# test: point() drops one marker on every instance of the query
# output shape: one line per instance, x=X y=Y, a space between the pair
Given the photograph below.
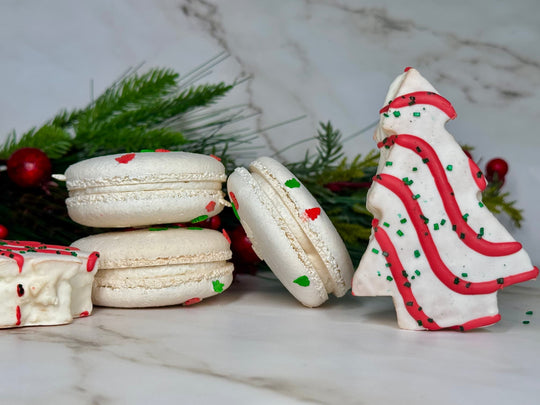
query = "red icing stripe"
x=18 y=315
x=91 y=263
x=471 y=239
x=478 y=323
x=422 y=97
x=477 y=175
x=443 y=273
x=15 y=256
x=402 y=283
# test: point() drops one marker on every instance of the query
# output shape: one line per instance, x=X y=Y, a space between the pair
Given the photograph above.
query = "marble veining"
x=315 y=60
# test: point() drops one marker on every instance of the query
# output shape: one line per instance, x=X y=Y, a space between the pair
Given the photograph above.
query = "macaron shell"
x=145 y=268
x=137 y=189
x=272 y=240
x=313 y=221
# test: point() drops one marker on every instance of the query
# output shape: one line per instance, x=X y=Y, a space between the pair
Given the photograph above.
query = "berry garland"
x=161 y=109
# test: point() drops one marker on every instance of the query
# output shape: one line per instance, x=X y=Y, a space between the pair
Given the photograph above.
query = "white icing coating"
x=48 y=289
x=373 y=277
x=294 y=246
x=146 y=268
x=138 y=189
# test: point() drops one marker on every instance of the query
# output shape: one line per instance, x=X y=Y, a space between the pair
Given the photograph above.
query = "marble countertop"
x=255 y=344
x=320 y=60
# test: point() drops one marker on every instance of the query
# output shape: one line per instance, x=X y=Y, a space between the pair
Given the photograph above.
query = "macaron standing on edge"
x=290 y=231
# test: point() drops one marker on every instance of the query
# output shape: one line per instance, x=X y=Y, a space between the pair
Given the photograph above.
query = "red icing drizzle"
x=403 y=286
x=443 y=273
x=425 y=151
x=313 y=213
x=402 y=282
x=477 y=175
x=422 y=97
x=91 y=263
x=224 y=232
x=210 y=206
x=124 y=159
x=407 y=69
x=18 y=315
x=15 y=256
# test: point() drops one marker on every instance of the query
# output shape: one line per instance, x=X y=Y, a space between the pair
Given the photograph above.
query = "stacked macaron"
x=167 y=265
x=155 y=265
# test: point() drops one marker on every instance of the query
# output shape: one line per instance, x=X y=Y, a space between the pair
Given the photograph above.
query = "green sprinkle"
x=449 y=168
x=419 y=322
x=443 y=221
x=199 y=219
x=500 y=280
x=407 y=284
x=424 y=218
x=416 y=114
x=414 y=169
x=386 y=224
x=409 y=303
x=147 y=150
x=385 y=254
x=388 y=163
x=482 y=231
x=404 y=274
x=404 y=220
x=375 y=251
x=379 y=273
x=436 y=227
x=464 y=275
x=480 y=204
x=456 y=280
x=400 y=232
x=389 y=278
x=396 y=114
x=388 y=264
x=529 y=313
x=479 y=174
x=416 y=196
x=425 y=160
x=386 y=115
x=454 y=227
x=462 y=235
x=292 y=183
x=465 y=217
x=417 y=254
x=302 y=281
x=74 y=254
x=218 y=286
x=417 y=272
x=235 y=212
x=526 y=322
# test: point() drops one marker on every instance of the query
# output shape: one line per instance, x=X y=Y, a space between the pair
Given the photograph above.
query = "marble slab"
x=255 y=344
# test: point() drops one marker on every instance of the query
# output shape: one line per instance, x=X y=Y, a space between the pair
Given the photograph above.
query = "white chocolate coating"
x=138 y=189
x=422 y=287
x=44 y=285
x=305 y=253
x=146 y=268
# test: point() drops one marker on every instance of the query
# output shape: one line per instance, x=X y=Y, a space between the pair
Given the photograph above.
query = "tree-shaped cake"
x=435 y=248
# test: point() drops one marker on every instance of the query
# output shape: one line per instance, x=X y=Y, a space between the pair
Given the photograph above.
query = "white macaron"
x=159 y=266
x=290 y=231
x=138 y=189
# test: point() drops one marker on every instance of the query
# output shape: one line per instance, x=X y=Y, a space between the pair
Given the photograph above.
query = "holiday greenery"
x=161 y=109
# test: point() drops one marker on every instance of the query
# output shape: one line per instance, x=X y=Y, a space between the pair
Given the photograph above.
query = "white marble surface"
x=325 y=60
x=254 y=344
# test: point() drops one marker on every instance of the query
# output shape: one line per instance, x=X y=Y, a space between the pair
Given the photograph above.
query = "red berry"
x=241 y=246
x=211 y=223
x=496 y=169
x=29 y=167
x=3 y=232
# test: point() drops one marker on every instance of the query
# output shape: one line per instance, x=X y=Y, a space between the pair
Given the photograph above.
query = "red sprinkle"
x=226 y=235
x=313 y=213
x=91 y=263
x=84 y=314
x=233 y=198
x=210 y=206
x=215 y=157
x=124 y=159
x=407 y=69
x=162 y=150
x=18 y=315
x=192 y=301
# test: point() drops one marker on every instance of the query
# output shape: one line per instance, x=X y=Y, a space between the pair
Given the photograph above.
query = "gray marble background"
x=319 y=60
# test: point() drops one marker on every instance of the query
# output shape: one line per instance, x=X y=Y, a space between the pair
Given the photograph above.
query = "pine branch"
x=498 y=203
x=54 y=141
